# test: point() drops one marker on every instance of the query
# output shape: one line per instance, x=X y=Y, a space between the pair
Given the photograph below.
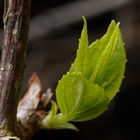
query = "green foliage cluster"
x=93 y=80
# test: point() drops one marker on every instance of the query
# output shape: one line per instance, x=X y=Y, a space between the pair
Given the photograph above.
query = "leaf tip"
x=84 y=19
x=115 y=23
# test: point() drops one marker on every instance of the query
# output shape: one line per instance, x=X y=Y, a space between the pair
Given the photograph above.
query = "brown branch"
x=16 y=24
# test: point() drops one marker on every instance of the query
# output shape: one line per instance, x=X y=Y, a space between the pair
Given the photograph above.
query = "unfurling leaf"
x=56 y=121
x=94 y=78
x=80 y=100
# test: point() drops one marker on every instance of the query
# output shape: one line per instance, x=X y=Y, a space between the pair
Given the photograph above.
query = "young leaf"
x=92 y=81
x=79 y=66
x=56 y=121
x=95 y=76
x=79 y=99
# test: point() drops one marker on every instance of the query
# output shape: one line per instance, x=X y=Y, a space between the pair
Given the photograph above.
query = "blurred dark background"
x=55 y=28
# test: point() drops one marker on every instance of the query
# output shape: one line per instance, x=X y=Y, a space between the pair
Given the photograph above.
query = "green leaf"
x=93 y=80
x=79 y=99
x=81 y=61
x=56 y=121
x=94 y=77
x=104 y=57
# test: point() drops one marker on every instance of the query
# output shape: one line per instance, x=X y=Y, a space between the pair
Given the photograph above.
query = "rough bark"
x=16 y=24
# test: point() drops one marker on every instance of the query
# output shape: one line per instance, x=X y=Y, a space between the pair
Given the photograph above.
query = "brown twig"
x=16 y=24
